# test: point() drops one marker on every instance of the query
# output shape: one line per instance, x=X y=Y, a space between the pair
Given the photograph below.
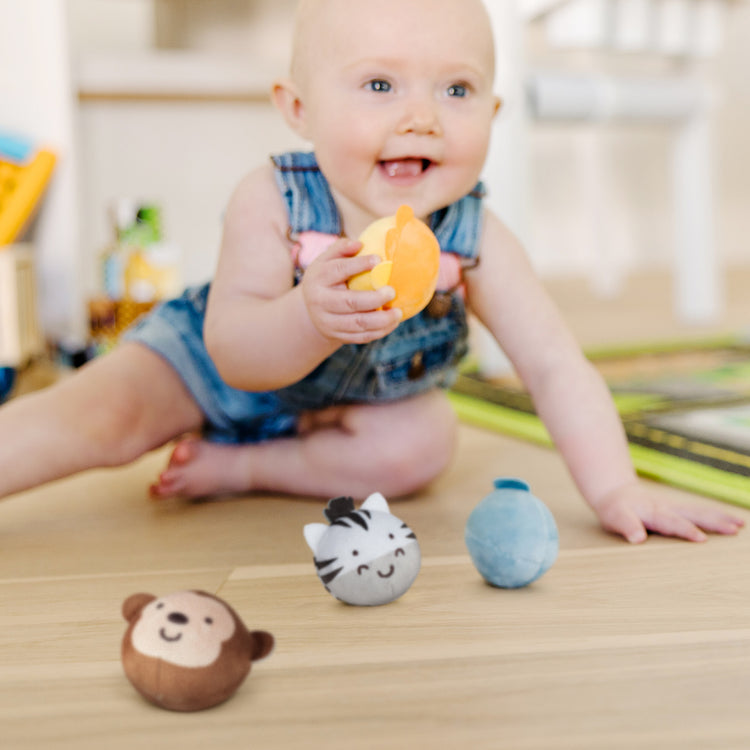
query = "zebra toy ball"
x=511 y=536
x=365 y=556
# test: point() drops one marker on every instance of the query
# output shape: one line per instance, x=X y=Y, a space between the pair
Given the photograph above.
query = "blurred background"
x=621 y=146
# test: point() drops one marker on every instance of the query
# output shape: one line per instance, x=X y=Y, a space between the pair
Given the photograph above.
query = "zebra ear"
x=375 y=502
x=313 y=534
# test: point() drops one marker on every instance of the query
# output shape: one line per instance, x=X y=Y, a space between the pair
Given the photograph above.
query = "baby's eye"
x=458 y=89
x=379 y=85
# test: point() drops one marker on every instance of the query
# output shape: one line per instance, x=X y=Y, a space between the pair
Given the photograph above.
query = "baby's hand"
x=632 y=509
x=342 y=314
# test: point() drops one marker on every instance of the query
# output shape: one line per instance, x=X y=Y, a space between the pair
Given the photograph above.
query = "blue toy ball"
x=511 y=535
x=7 y=379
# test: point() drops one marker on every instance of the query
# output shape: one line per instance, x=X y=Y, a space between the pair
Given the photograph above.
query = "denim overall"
x=421 y=354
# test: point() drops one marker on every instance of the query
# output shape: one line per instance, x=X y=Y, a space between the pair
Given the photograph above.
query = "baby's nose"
x=421 y=118
x=178 y=618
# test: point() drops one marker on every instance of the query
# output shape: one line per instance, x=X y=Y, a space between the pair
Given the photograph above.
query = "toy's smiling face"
x=366 y=557
x=184 y=628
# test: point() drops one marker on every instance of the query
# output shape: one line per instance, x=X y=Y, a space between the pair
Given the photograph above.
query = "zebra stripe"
x=357 y=517
x=411 y=535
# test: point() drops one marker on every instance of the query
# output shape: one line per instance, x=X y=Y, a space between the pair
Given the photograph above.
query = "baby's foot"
x=198 y=468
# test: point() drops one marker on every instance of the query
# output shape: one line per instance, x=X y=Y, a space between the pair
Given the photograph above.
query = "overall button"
x=416 y=366
x=439 y=306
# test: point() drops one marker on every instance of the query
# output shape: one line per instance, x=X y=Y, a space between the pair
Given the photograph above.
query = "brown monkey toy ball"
x=188 y=650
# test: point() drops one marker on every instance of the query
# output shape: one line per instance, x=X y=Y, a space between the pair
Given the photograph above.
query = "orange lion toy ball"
x=410 y=260
x=188 y=650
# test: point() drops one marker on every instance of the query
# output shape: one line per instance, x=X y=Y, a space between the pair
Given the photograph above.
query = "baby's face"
x=398 y=102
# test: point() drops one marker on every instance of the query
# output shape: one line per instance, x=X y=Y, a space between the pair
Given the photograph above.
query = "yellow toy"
x=411 y=260
x=147 y=281
x=21 y=186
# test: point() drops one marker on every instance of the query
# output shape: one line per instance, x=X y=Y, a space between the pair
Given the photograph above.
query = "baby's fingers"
x=668 y=523
x=361 y=328
x=340 y=262
x=346 y=301
x=711 y=519
x=622 y=520
x=341 y=248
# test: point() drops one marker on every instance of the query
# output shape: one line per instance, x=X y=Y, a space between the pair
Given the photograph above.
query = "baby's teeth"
x=404 y=168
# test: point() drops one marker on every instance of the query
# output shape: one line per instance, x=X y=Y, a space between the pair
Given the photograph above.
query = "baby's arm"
x=261 y=330
x=572 y=398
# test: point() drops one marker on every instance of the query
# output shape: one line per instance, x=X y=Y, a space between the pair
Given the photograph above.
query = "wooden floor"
x=616 y=647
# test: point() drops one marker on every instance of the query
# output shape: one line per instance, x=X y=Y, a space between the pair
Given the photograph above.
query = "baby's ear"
x=133 y=605
x=499 y=103
x=287 y=98
x=313 y=534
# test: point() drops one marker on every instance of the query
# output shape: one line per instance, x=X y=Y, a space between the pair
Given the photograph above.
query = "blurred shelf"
x=171 y=75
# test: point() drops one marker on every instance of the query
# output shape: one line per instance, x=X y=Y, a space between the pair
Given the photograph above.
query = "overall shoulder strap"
x=459 y=226
x=306 y=193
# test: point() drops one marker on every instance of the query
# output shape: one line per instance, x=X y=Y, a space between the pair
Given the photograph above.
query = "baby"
x=297 y=384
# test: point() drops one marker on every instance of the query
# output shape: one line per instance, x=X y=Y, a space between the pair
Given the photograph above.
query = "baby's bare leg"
x=392 y=448
x=106 y=414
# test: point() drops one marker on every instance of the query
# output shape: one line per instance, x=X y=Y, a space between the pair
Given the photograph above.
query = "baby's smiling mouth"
x=406 y=168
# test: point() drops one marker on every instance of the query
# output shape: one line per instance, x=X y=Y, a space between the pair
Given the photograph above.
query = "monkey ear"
x=133 y=605
x=261 y=644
